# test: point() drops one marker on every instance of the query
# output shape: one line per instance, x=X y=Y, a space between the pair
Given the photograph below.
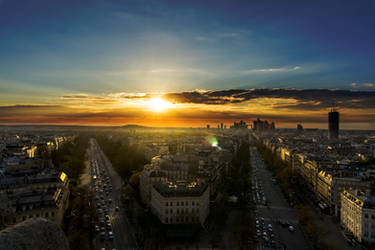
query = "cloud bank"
x=196 y=108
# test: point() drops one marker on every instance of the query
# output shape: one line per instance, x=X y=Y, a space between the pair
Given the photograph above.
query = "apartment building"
x=358 y=215
x=180 y=202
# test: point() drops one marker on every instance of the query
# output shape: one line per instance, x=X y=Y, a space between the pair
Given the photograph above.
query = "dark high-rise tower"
x=333 y=124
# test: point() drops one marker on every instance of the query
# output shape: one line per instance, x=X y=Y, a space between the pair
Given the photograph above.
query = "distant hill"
x=134 y=126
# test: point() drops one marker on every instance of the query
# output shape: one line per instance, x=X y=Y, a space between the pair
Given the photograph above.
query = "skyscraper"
x=333 y=124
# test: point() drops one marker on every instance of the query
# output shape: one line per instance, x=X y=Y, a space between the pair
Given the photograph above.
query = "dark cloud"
x=307 y=99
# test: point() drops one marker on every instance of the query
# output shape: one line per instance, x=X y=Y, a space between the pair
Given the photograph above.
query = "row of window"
x=366 y=234
x=368 y=216
x=181 y=203
x=182 y=211
x=46 y=215
x=182 y=219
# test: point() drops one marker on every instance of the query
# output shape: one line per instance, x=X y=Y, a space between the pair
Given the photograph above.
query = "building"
x=333 y=124
x=41 y=195
x=299 y=128
x=180 y=202
x=358 y=215
x=147 y=179
x=259 y=125
x=239 y=125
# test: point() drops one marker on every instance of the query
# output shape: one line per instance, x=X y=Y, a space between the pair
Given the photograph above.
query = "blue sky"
x=49 y=48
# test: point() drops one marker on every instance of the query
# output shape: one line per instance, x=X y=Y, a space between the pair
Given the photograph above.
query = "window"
x=192 y=203
x=373 y=216
x=197 y=203
x=178 y=211
x=24 y=218
x=171 y=211
x=171 y=203
x=47 y=215
x=166 y=220
x=186 y=203
x=166 y=204
x=366 y=216
x=177 y=203
x=177 y=220
x=166 y=211
x=52 y=214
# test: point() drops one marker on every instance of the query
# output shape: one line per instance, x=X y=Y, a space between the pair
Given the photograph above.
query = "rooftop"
x=178 y=189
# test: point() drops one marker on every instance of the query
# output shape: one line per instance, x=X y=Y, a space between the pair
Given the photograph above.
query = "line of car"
x=263 y=232
x=102 y=186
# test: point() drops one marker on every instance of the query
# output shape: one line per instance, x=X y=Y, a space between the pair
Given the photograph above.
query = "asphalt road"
x=275 y=209
x=101 y=167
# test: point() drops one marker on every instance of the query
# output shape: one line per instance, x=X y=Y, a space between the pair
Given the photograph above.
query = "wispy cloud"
x=179 y=71
x=362 y=85
x=369 y=85
x=271 y=70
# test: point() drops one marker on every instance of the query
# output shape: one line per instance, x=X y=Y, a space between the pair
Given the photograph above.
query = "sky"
x=103 y=62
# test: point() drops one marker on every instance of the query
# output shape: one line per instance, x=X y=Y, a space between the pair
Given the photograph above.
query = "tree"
x=134 y=179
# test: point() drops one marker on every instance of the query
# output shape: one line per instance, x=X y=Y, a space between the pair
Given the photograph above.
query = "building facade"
x=180 y=203
x=358 y=215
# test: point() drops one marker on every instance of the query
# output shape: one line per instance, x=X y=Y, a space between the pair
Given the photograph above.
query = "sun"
x=158 y=104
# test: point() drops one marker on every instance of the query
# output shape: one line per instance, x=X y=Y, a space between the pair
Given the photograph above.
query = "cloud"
x=88 y=99
x=308 y=99
x=81 y=96
x=271 y=70
x=179 y=71
x=127 y=95
x=363 y=85
x=369 y=85
x=286 y=106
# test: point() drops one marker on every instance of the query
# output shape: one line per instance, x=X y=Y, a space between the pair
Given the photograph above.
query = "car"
x=109 y=224
x=264 y=233
x=117 y=208
x=102 y=236
x=107 y=217
x=110 y=200
x=102 y=229
x=97 y=228
x=110 y=235
x=291 y=228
